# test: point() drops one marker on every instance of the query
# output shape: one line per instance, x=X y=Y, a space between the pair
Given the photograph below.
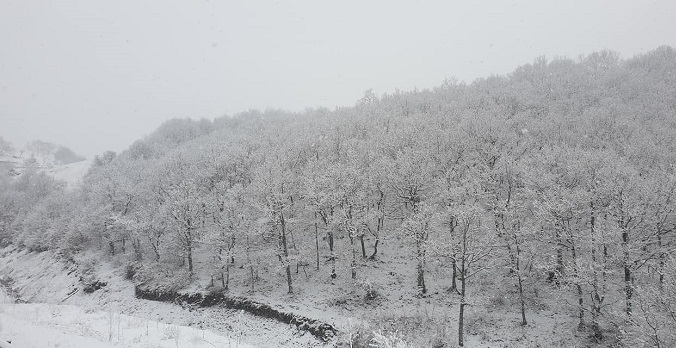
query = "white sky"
x=96 y=75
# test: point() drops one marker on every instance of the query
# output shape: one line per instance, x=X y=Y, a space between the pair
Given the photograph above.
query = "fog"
x=97 y=75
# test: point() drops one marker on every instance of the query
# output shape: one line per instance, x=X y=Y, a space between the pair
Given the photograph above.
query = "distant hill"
x=57 y=160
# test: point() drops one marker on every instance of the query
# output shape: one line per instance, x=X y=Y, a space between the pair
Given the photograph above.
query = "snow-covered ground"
x=71 y=173
x=47 y=325
x=45 y=278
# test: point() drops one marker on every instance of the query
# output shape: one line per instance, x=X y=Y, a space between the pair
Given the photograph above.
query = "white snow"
x=65 y=326
x=71 y=173
x=44 y=278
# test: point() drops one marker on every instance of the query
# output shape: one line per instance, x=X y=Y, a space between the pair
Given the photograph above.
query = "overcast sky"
x=97 y=75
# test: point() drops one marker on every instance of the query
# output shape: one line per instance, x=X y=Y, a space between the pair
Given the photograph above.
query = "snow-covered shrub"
x=387 y=340
x=371 y=292
x=161 y=277
x=356 y=336
x=173 y=333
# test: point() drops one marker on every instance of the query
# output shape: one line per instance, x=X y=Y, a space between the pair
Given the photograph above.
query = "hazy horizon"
x=95 y=76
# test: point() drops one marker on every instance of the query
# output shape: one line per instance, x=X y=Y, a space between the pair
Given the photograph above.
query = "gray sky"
x=96 y=75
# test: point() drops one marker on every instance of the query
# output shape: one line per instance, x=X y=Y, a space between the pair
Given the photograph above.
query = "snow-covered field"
x=43 y=278
x=67 y=326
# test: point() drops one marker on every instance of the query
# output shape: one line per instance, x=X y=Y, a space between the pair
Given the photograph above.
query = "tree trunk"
x=363 y=248
x=189 y=251
x=523 y=303
x=559 y=256
x=628 y=289
x=285 y=250
x=517 y=271
x=157 y=253
x=662 y=256
x=375 y=249
x=353 y=262
x=332 y=256
x=461 y=315
x=379 y=225
x=190 y=265
x=251 y=268
x=227 y=277
x=421 y=268
x=253 y=280
x=596 y=296
x=454 y=286
x=317 y=240
x=580 y=300
x=138 y=252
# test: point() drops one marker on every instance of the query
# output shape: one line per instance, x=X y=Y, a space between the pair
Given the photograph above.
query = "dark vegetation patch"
x=7 y=283
x=92 y=286
x=320 y=330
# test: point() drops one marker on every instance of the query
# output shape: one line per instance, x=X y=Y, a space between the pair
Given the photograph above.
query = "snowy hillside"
x=50 y=284
x=71 y=173
x=46 y=325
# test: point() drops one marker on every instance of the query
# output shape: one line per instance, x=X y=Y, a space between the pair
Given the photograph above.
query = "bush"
x=371 y=292
x=131 y=270
x=359 y=336
x=158 y=276
x=381 y=340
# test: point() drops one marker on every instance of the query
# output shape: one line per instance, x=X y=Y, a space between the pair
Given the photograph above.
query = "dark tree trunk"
x=332 y=256
x=375 y=249
x=461 y=315
x=580 y=300
x=454 y=286
x=189 y=251
x=523 y=304
x=379 y=225
x=628 y=288
x=138 y=252
x=363 y=248
x=353 y=262
x=253 y=279
x=190 y=265
x=421 y=268
x=559 y=256
x=227 y=277
x=521 y=297
x=662 y=256
x=285 y=250
x=596 y=296
x=317 y=240
x=519 y=275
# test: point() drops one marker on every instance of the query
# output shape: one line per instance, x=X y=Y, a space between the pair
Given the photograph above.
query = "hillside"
x=529 y=210
x=57 y=161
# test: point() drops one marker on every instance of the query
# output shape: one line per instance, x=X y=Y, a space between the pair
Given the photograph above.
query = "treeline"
x=562 y=171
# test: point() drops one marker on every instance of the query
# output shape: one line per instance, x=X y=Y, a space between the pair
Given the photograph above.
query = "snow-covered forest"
x=484 y=212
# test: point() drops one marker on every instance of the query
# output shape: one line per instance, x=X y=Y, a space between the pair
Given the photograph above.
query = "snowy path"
x=63 y=326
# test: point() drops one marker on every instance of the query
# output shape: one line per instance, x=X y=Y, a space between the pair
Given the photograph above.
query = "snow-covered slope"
x=71 y=173
x=45 y=277
x=46 y=325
